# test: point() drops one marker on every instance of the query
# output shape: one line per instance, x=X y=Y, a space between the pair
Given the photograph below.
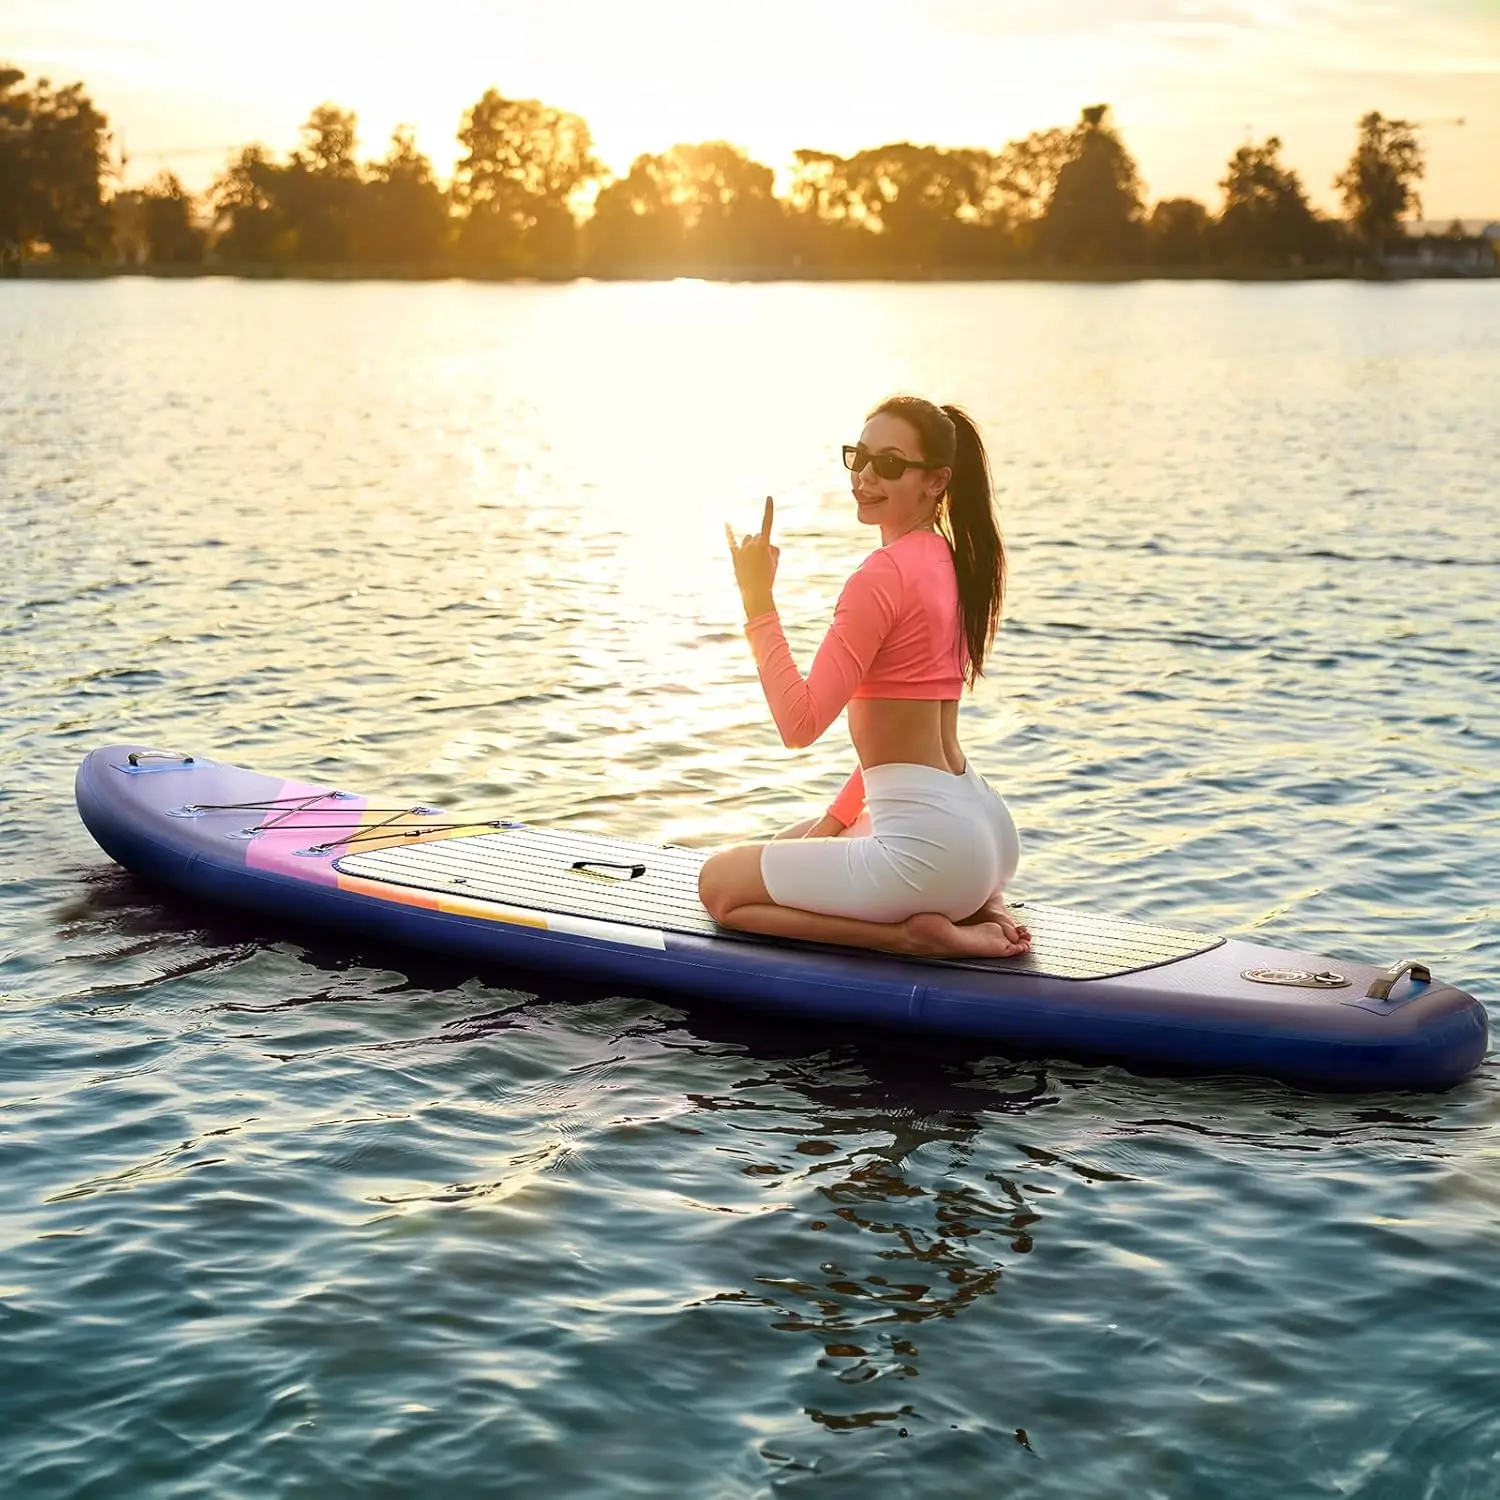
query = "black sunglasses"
x=885 y=465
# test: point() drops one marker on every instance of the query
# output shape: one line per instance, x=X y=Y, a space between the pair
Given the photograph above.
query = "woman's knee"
x=731 y=878
x=717 y=885
x=711 y=885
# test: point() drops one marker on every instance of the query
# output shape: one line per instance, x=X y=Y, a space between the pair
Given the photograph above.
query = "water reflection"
x=879 y=1211
x=894 y=1226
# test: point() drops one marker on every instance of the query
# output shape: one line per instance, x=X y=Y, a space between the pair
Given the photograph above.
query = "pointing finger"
x=765 y=525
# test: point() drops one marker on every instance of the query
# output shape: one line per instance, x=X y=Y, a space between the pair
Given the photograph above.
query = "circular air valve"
x=1302 y=979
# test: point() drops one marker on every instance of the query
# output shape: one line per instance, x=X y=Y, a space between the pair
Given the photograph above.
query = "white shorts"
x=933 y=842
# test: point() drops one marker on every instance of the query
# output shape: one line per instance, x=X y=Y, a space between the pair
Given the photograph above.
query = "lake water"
x=329 y=1221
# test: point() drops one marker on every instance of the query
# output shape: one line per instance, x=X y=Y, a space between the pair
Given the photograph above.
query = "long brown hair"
x=949 y=439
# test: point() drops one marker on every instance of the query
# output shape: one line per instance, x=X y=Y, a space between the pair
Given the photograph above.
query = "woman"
x=914 y=852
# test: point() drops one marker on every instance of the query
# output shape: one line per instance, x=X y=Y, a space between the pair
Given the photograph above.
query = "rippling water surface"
x=321 y=1220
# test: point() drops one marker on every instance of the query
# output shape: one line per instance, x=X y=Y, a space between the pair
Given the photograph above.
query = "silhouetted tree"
x=1378 y=185
x=1066 y=197
x=403 y=218
x=1094 y=216
x=172 y=238
x=825 y=221
x=154 y=225
x=524 y=162
x=321 y=209
x=53 y=162
x=900 y=189
x=703 y=209
x=1266 y=219
x=637 y=227
x=69 y=160
x=731 y=218
x=319 y=190
x=915 y=197
x=329 y=138
x=1179 y=233
x=895 y=206
x=820 y=187
x=16 y=188
x=1024 y=176
x=986 y=222
x=249 y=212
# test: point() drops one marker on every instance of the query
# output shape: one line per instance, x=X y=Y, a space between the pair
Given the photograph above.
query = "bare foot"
x=934 y=936
x=995 y=910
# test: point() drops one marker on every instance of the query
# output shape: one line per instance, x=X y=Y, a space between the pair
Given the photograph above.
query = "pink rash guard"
x=896 y=633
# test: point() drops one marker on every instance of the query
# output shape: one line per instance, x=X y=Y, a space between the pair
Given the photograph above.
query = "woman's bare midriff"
x=906 y=731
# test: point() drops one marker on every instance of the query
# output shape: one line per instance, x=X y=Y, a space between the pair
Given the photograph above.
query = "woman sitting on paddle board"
x=915 y=850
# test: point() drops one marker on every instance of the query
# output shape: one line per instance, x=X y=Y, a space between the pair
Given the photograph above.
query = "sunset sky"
x=1189 y=80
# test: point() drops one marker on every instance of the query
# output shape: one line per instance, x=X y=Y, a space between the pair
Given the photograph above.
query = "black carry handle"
x=1381 y=988
x=599 y=866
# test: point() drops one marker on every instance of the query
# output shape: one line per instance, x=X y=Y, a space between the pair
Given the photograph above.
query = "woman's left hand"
x=755 y=562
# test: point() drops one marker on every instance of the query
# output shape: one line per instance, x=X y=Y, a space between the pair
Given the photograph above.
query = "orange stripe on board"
x=453 y=905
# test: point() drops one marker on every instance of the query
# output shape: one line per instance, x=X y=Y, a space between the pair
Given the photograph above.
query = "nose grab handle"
x=1383 y=984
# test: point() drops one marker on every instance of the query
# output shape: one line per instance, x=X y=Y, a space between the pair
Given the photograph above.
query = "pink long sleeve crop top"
x=896 y=633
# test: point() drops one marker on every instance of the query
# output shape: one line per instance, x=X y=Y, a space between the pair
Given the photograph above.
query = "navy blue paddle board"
x=510 y=896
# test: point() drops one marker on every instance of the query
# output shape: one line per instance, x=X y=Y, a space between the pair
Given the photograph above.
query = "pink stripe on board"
x=276 y=849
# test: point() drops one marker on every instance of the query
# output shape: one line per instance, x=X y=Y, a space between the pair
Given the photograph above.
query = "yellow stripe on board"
x=389 y=833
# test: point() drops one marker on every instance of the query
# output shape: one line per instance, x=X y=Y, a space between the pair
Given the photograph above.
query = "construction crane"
x=123 y=156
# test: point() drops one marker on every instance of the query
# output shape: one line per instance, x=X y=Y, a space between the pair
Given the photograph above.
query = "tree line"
x=528 y=197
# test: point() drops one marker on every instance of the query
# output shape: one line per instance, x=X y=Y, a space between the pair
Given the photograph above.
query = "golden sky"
x=1189 y=80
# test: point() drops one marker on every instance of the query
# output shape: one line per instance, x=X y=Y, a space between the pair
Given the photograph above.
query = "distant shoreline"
x=1090 y=276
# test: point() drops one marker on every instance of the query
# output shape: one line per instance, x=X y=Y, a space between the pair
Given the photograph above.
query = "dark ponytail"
x=950 y=439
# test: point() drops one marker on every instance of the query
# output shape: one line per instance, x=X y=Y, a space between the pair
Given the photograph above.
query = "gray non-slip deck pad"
x=653 y=886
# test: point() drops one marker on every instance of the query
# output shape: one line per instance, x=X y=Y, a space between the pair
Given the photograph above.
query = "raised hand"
x=755 y=560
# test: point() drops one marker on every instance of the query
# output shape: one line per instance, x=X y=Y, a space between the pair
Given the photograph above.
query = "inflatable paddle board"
x=504 y=894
